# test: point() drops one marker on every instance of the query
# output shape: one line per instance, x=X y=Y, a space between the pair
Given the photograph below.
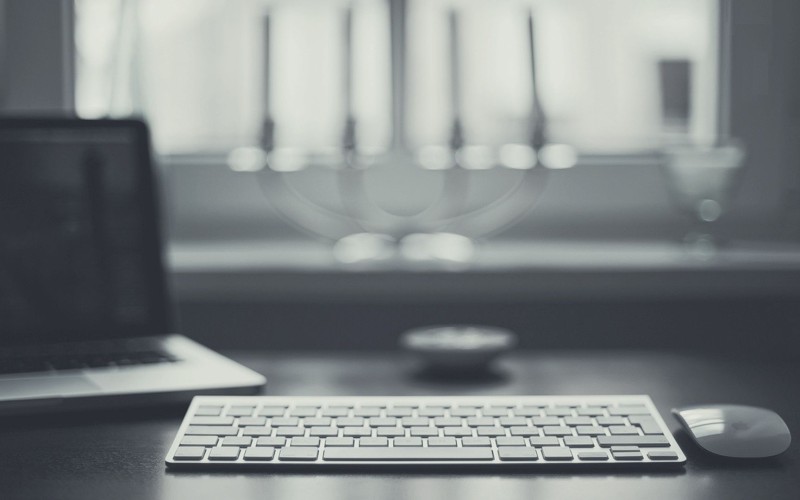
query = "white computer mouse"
x=735 y=431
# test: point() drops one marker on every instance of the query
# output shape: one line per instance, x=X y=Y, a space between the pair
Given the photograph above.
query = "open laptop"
x=84 y=313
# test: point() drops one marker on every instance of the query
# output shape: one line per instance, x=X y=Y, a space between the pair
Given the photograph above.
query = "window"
x=616 y=75
x=619 y=79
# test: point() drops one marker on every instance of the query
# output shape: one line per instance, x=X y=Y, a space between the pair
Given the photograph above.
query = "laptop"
x=85 y=318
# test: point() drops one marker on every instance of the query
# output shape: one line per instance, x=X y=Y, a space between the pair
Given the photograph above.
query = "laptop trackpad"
x=63 y=385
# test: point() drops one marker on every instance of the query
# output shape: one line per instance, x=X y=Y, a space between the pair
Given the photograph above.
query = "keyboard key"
x=208 y=410
x=594 y=456
x=492 y=411
x=199 y=441
x=285 y=422
x=317 y=422
x=510 y=441
x=356 y=432
x=323 y=431
x=624 y=411
x=382 y=422
x=252 y=421
x=304 y=411
x=480 y=421
x=257 y=431
x=349 y=422
x=627 y=455
x=476 y=441
x=662 y=455
x=276 y=442
x=390 y=432
x=491 y=431
x=524 y=431
x=271 y=411
x=304 y=441
x=542 y=421
x=212 y=421
x=463 y=412
x=558 y=411
x=373 y=441
x=240 y=411
x=623 y=430
x=211 y=430
x=457 y=431
x=224 y=453
x=237 y=441
x=408 y=441
x=189 y=453
x=512 y=421
x=544 y=441
x=556 y=453
x=340 y=441
x=408 y=454
x=648 y=424
x=334 y=411
x=517 y=453
x=298 y=454
x=590 y=411
x=399 y=411
x=442 y=441
x=610 y=421
x=265 y=453
x=606 y=441
x=415 y=422
x=424 y=431
x=447 y=422
x=579 y=442
x=290 y=431
x=367 y=411
x=527 y=411
x=431 y=411
x=557 y=430
x=590 y=430
x=575 y=421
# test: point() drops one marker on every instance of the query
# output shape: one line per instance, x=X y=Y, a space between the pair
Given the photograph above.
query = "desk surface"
x=121 y=454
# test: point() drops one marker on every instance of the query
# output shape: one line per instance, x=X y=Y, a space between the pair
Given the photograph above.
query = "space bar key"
x=406 y=454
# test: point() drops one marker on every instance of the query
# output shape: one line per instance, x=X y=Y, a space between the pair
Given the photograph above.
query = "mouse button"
x=755 y=421
x=703 y=422
x=720 y=444
x=773 y=432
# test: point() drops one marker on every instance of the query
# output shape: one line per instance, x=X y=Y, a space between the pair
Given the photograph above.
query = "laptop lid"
x=80 y=249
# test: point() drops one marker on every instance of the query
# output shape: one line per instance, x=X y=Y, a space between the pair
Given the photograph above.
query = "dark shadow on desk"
x=76 y=418
x=447 y=471
x=488 y=377
x=703 y=460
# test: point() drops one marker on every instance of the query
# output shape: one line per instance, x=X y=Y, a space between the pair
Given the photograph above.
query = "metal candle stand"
x=444 y=231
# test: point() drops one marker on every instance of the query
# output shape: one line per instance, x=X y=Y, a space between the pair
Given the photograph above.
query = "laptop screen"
x=79 y=244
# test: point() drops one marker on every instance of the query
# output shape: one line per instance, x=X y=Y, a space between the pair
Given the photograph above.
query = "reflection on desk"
x=120 y=455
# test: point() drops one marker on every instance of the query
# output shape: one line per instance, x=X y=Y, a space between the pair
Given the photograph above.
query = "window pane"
x=196 y=69
x=599 y=65
x=613 y=74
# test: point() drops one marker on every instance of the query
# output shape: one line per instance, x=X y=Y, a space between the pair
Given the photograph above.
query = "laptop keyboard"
x=534 y=431
x=78 y=360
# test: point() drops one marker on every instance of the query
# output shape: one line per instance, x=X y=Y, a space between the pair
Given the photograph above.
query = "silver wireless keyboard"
x=545 y=432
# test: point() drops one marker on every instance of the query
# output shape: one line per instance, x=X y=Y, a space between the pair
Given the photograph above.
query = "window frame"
x=774 y=157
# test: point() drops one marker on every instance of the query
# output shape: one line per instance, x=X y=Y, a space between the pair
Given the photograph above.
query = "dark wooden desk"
x=121 y=454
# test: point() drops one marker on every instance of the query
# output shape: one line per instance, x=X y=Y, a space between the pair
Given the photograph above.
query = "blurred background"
x=589 y=174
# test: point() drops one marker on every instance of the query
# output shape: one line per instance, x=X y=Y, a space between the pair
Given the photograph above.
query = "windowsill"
x=500 y=270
